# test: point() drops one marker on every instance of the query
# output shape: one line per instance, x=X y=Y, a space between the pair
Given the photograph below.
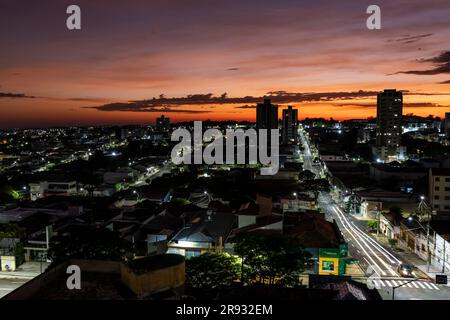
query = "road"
x=378 y=262
x=9 y=284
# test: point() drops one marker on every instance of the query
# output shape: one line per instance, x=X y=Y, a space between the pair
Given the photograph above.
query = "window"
x=436 y=197
x=447 y=198
x=328 y=266
x=437 y=179
x=447 y=179
x=447 y=188
x=436 y=188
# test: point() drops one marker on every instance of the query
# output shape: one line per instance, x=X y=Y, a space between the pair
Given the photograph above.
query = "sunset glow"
x=125 y=53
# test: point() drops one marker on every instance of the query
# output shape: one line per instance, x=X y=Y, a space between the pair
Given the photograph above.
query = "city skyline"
x=318 y=57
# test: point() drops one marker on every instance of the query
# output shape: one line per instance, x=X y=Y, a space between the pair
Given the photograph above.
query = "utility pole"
x=443 y=258
x=424 y=207
x=378 y=222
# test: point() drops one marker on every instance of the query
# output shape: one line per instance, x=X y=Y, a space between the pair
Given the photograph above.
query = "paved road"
x=378 y=262
x=8 y=285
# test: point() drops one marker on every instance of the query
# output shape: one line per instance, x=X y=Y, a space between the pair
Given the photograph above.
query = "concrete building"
x=389 y=125
x=163 y=123
x=266 y=115
x=447 y=124
x=439 y=190
x=290 y=125
x=47 y=188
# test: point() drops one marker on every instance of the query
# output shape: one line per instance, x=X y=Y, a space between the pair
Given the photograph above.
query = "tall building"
x=163 y=123
x=266 y=115
x=439 y=190
x=447 y=124
x=389 y=125
x=290 y=125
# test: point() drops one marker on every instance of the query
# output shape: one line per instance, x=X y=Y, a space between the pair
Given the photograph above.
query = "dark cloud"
x=167 y=104
x=445 y=82
x=144 y=107
x=405 y=104
x=441 y=62
x=410 y=39
x=14 y=95
x=232 y=69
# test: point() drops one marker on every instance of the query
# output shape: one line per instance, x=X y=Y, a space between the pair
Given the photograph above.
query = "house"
x=440 y=257
x=155 y=233
x=413 y=237
x=203 y=231
x=322 y=239
x=390 y=224
x=43 y=189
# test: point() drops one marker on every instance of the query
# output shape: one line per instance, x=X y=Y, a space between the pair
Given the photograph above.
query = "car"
x=405 y=270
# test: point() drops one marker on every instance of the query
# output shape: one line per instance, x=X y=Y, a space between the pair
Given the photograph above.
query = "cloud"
x=445 y=82
x=14 y=95
x=168 y=104
x=410 y=39
x=405 y=104
x=441 y=62
x=138 y=106
x=232 y=69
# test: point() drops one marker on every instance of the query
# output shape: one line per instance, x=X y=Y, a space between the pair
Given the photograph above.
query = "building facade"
x=290 y=125
x=439 y=190
x=162 y=123
x=389 y=125
x=266 y=115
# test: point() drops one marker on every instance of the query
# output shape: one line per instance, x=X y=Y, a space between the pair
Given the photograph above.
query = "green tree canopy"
x=275 y=258
x=212 y=270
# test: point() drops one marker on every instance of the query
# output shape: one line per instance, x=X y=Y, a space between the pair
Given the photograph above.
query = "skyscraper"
x=266 y=115
x=447 y=124
x=389 y=125
x=290 y=125
x=162 y=123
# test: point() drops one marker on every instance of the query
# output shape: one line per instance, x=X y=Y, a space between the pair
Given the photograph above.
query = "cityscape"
x=119 y=183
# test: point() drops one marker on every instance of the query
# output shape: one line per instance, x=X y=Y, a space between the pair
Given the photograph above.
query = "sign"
x=441 y=279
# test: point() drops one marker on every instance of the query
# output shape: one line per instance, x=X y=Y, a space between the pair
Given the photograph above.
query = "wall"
x=154 y=281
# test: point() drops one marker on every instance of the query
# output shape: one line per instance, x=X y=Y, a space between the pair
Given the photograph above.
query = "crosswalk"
x=414 y=284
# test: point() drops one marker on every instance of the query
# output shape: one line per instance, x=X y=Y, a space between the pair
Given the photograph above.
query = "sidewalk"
x=411 y=258
x=28 y=270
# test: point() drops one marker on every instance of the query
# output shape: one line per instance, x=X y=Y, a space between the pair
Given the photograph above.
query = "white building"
x=46 y=188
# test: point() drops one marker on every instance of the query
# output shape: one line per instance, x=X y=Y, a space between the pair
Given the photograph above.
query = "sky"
x=195 y=60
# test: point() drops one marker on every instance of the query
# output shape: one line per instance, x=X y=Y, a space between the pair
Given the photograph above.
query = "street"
x=9 y=284
x=378 y=262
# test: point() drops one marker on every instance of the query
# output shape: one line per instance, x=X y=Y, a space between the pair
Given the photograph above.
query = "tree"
x=372 y=225
x=393 y=242
x=212 y=270
x=274 y=259
x=306 y=175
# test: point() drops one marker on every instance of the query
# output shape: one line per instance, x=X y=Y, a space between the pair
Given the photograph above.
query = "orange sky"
x=128 y=52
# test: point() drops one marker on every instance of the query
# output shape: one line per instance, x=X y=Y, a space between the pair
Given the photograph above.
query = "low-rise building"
x=439 y=190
